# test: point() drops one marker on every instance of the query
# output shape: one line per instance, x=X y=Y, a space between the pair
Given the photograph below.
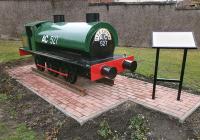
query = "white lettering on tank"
x=45 y=38
x=102 y=36
x=53 y=40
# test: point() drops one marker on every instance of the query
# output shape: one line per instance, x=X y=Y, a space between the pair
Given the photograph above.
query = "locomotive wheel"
x=39 y=60
x=53 y=66
x=72 y=78
x=71 y=75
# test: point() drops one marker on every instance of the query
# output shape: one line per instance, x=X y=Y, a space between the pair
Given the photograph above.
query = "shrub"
x=104 y=130
x=139 y=128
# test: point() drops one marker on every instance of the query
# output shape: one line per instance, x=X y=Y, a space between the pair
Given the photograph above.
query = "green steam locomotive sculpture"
x=75 y=49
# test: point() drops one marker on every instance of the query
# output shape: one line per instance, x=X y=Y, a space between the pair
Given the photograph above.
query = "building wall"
x=134 y=22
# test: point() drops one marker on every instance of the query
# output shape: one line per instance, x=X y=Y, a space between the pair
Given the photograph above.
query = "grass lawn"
x=19 y=132
x=11 y=129
x=169 y=64
x=169 y=67
x=9 y=50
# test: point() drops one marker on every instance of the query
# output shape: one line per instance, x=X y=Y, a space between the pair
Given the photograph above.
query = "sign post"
x=172 y=40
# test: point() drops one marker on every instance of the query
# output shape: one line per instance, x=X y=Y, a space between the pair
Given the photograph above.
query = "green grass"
x=3 y=98
x=22 y=133
x=18 y=132
x=3 y=129
x=9 y=50
x=169 y=64
x=11 y=129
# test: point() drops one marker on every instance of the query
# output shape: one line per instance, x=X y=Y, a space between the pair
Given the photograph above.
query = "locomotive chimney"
x=58 y=18
x=92 y=17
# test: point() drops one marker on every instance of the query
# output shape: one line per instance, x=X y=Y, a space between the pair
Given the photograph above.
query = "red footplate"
x=95 y=70
x=23 y=52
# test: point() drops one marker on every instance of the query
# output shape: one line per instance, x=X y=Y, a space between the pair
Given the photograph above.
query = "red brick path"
x=102 y=97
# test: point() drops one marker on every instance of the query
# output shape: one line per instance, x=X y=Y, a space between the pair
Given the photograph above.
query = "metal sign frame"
x=180 y=81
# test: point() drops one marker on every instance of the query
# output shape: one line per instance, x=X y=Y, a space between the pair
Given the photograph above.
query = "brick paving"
x=101 y=98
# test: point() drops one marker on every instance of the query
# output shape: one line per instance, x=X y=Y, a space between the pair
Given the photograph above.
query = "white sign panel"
x=173 y=40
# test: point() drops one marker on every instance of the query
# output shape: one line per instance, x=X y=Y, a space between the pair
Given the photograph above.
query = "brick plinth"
x=101 y=97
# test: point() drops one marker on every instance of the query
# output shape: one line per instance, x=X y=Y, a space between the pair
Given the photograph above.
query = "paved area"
x=101 y=98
